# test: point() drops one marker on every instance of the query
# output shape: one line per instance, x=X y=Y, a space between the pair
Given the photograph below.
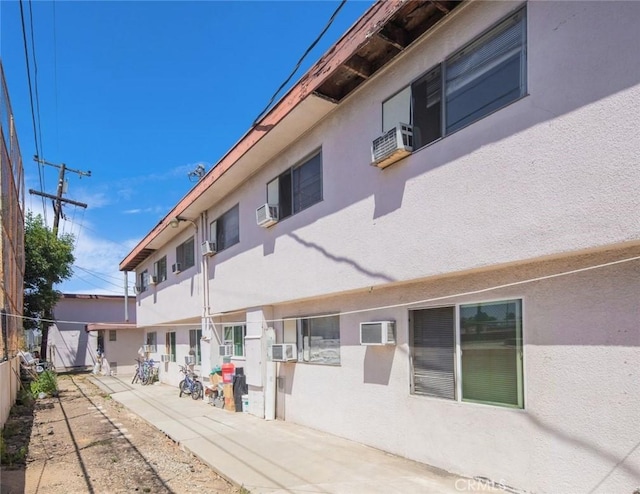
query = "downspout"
x=126 y=296
x=205 y=283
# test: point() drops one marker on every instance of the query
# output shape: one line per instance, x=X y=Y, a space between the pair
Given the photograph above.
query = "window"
x=185 y=255
x=297 y=188
x=225 y=231
x=485 y=345
x=112 y=335
x=319 y=340
x=160 y=269
x=194 y=344
x=234 y=335
x=482 y=77
x=143 y=281
x=152 y=341
x=170 y=345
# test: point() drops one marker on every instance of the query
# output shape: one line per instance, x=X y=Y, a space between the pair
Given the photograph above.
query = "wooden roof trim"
x=372 y=21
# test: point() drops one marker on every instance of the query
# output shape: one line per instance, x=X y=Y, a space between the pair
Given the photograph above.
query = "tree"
x=48 y=261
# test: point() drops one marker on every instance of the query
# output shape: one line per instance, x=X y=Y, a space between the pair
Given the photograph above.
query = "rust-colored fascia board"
x=372 y=21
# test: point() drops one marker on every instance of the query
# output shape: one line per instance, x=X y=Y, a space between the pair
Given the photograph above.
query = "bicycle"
x=145 y=372
x=190 y=383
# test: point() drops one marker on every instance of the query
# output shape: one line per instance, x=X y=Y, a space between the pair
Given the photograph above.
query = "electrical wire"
x=33 y=116
x=35 y=82
x=384 y=307
x=93 y=273
x=304 y=55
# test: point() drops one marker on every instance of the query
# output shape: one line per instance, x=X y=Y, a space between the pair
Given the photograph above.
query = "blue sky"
x=140 y=93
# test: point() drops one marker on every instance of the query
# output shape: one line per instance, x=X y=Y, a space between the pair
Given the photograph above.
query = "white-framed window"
x=234 y=335
x=143 y=281
x=185 y=254
x=225 y=231
x=152 y=341
x=160 y=269
x=298 y=187
x=319 y=339
x=485 y=75
x=469 y=352
x=194 y=344
x=112 y=335
x=170 y=345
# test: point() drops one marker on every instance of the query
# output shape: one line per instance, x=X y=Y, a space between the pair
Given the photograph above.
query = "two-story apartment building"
x=497 y=263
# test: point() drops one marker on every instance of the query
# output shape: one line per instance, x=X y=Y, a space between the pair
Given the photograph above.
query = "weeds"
x=47 y=382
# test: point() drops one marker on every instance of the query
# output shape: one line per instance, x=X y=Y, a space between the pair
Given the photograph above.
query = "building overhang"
x=101 y=326
x=382 y=34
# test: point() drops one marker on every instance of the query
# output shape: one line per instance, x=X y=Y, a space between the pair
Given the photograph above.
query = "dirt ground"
x=84 y=442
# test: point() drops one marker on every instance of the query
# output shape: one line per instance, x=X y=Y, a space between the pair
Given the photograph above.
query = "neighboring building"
x=12 y=250
x=502 y=255
x=75 y=338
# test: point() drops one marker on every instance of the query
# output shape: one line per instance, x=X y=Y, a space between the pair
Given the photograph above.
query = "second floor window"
x=160 y=269
x=297 y=188
x=225 y=231
x=185 y=257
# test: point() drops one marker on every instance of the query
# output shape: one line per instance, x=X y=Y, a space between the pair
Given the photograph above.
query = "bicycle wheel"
x=147 y=378
x=135 y=377
x=184 y=388
x=196 y=392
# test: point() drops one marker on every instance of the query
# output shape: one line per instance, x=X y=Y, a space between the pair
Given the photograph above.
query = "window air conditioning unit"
x=149 y=348
x=190 y=360
x=225 y=350
x=284 y=352
x=377 y=333
x=208 y=248
x=153 y=280
x=392 y=146
x=175 y=268
x=165 y=358
x=138 y=289
x=267 y=215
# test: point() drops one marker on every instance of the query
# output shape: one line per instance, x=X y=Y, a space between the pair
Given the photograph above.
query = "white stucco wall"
x=70 y=344
x=536 y=178
x=579 y=429
x=551 y=176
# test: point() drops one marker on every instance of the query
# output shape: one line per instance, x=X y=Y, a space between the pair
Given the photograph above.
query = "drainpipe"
x=126 y=296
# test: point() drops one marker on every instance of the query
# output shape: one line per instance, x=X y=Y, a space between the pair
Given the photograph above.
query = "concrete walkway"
x=274 y=456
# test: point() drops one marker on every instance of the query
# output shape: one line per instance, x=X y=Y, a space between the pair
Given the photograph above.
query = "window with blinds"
x=484 y=76
x=485 y=344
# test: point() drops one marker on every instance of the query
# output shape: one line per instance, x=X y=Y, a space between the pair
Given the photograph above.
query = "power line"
x=33 y=116
x=304 y=55
x=35 y=81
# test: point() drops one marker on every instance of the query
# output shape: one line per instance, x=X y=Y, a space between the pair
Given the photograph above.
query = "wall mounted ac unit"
x=209 y=248
x=153 y=280
x=175 y=268
x=138 y=289
x=392 y=146
x=165 y=358
x=225 y=350
x=190 y=359
x=377 y=333
x=149 y=348
x=267 y=215
x=284 y=352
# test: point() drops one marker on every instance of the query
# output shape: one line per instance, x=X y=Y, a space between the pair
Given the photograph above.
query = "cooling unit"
x=225 y=350
x=267 y=215
x=284 y=352
x=176 y=268
x=208 y=248
x=377 y=333
x=392 y=146
x=165 y=358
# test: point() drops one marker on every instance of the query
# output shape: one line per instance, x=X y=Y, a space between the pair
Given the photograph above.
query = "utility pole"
x=58 y=199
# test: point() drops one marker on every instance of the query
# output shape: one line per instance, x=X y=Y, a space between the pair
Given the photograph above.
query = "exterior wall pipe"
x=126 y=296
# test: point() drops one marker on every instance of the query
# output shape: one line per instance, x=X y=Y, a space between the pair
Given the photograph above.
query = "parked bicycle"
x=190 y=383
x=146 y=372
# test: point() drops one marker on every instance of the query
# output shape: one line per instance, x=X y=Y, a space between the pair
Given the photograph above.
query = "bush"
x=47 y=382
